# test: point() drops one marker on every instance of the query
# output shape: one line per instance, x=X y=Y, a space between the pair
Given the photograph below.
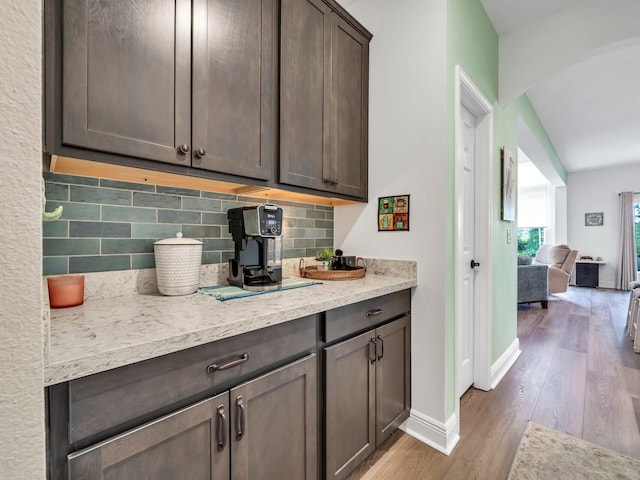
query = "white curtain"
x=627 y=247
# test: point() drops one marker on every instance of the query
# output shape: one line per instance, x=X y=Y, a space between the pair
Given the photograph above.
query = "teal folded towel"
x=229 y=292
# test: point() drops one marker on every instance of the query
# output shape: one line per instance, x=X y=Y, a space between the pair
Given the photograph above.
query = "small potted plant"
x=325 y=257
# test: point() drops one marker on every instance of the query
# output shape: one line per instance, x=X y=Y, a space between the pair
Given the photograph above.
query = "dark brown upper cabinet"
x=324 y=78
x=173 y=81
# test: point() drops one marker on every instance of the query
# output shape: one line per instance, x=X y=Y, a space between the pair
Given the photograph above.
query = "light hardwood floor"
x=577 y=374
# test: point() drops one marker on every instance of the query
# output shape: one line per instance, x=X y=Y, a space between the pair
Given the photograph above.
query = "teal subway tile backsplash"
x=154 y=230
x=185 y=192
x=146 y=260
x=214 y=219
x=76 y=211
x=102 y=263
x=100 y=229
x=66 y=246
x=55 y=265
x=70 y=179
x=200 y=231
x=129 y=214
x=57 y=229
x=112 y=225
x=107 y=196
x=156 y=200
x=129 y=245
x=202 y=204
x=56 y=191
x=179 y=216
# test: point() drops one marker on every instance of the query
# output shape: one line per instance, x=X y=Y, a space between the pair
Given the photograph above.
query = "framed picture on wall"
x=508 y=186
x=594 y=219
x=393 y=213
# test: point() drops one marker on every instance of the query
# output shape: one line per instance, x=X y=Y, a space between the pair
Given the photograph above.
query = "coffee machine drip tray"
x=262 y=288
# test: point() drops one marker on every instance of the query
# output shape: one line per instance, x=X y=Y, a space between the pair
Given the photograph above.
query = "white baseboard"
x=441 y=436
x=505 y=362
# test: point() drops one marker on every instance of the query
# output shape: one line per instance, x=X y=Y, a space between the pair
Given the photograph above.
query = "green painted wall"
x=473 y=44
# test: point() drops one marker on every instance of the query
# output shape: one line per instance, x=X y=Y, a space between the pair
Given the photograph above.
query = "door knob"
x=200 y=153
x=474 y=264
x=184 y=149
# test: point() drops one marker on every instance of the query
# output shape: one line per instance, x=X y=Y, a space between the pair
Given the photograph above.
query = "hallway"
x=577 y=374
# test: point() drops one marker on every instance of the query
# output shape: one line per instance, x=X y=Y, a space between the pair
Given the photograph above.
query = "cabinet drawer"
x=344 y=321
x=127 y=395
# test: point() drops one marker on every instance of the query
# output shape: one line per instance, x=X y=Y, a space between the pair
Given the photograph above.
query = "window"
x=530 y=239
x=636 y=218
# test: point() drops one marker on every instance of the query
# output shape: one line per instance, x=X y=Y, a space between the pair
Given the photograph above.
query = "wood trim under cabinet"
x=74 y=166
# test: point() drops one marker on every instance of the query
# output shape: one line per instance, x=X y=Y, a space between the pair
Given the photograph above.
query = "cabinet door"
x=127 y=77
x=349 y=109
x=235 y=94
x=349 y=404
x=274 y=424
x=190 y=444
x=393 y=376
x=305 y=45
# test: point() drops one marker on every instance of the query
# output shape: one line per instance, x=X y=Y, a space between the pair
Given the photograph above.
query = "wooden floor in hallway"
x=577 y=373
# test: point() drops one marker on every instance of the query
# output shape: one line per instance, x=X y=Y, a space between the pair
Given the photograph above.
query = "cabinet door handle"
x=214 y=367
x=372 y=349
x=222 y=428
x=200 y=153
x=379 y=357
x=184 y=149
x=373 y=313
x=240 y=418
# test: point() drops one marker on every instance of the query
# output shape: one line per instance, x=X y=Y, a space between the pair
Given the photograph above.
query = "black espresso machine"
x=256 y=233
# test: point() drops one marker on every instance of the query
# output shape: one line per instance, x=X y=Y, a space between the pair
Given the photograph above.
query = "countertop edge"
x=55 y=373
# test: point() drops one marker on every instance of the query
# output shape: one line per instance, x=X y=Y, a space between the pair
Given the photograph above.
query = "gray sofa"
x=533 y=282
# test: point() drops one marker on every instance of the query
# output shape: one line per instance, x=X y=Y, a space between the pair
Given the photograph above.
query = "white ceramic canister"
x=178 y=263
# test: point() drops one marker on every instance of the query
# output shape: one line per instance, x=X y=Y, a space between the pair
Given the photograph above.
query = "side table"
x=588 y=272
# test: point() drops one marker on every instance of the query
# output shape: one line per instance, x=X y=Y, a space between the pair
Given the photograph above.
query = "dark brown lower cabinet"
x=181 y=445
x=265 y=428
x=274 y=425
x=367 y=393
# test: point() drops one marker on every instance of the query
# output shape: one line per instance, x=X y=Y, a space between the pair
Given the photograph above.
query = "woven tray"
x=313 y=272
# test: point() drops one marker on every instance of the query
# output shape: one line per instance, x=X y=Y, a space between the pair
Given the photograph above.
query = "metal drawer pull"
x=381 y=348
x=240 y=417
x=222 y=428
x=233 y=363
x=373 y=313
x=372 y=349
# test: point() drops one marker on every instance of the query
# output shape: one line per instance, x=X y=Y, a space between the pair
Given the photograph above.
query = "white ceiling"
x=590 y=110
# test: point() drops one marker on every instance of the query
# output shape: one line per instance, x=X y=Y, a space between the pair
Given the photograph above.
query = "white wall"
x=587 y=28
x=597 y=191
x=407 y=155
x=21 y=365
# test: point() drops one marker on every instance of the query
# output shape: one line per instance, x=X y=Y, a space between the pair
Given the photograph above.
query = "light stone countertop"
x=106 y=333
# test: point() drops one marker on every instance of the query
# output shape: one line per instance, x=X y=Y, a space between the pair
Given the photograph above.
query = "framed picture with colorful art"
x=393 y=213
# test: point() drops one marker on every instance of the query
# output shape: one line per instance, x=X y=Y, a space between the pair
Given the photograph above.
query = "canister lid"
x=178 y=241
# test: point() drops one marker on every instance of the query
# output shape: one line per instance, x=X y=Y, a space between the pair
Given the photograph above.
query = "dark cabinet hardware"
x=373 y=346
x=200 y=153
x=240 y=417
x=234 y=363
x=381 y=354
x=221 y=432
x=474 y=264
x=374 y=313
x=184 y=149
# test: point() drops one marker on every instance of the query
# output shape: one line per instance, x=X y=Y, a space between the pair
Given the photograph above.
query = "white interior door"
x=465 y=298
